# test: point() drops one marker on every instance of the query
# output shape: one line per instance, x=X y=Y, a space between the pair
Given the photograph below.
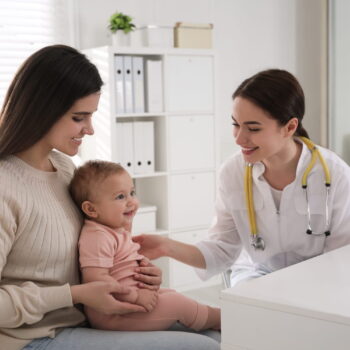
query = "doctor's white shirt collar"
x=305 y=156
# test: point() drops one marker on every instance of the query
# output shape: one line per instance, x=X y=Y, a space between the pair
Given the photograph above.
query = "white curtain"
x=26 y=26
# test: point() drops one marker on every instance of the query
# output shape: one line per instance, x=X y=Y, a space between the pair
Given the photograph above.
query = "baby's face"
x=115 y=201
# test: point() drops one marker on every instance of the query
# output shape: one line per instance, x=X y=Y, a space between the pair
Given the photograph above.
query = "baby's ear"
x=89 y=209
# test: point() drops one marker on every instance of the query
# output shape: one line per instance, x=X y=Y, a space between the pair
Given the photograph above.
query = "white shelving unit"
x=182 y=187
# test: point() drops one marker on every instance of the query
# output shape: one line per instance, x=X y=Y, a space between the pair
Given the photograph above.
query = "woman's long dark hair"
x=278 y=93
x=42 y=91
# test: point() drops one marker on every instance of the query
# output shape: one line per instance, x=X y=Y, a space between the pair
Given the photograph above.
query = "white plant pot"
x=120 y=39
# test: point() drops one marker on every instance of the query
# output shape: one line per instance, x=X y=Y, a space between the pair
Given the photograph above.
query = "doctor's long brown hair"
x=277 y=92
x=42 y=91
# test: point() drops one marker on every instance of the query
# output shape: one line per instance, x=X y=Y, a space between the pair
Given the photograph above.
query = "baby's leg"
x=214 y=319
x=171 y=307
x=189 y=312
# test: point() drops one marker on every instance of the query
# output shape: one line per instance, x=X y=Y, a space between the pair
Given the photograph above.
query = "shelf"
x=146 y=208
x=160 y=51
x=140 y=176
x=140 y=115
x=162 y=114
x=158 y=231
x=190 y=228
x=188 y=113
x=191 y=171
x=178 y=191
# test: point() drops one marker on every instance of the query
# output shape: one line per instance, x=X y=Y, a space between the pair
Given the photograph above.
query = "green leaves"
x=119 y=21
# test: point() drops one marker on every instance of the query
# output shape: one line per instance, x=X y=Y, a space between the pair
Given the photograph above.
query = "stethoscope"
x=256 y=240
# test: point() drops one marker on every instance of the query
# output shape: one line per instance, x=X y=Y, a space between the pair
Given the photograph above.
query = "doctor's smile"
x=248 y=151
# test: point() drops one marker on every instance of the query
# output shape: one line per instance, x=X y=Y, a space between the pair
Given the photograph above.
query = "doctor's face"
x=256 y=132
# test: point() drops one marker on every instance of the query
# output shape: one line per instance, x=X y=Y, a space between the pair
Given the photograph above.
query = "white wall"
x=249 y=35
x=311 y=60
x=339 y=78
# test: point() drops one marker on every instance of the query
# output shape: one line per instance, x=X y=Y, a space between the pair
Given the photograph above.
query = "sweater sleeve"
x=25 y=303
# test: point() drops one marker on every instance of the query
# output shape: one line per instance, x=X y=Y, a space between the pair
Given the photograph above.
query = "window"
x=26 y=26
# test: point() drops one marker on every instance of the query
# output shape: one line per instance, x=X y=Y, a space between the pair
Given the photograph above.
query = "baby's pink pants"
x=171 y=307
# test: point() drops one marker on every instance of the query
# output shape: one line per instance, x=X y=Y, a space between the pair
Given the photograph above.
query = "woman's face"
x=259 y=136
x=67 y=133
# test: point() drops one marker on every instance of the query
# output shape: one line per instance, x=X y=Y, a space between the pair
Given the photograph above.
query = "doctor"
x=281 y=200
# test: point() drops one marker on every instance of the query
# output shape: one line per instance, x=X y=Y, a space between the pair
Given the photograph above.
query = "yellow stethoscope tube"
x=256 y=240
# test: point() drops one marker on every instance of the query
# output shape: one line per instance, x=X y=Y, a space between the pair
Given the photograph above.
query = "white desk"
x=303 y=307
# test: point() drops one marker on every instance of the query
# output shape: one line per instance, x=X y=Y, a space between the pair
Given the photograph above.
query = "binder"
x=138 y=85
x=143 y=147
x=148 y=146
x=119 y=83
x=154 y=87
x=128 y=99
x=125 y=146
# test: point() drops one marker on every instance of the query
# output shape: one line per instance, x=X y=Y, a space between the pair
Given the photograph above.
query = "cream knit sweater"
x=39 y=228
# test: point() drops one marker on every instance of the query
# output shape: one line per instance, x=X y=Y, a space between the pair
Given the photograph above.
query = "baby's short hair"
x=91 y=172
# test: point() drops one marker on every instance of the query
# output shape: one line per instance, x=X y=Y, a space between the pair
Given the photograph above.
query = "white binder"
x=144 y=147
x=148 y=146
x=154 y=87
x=119 y=83
x=138 y=85
x=128 y=99
x=125 y=146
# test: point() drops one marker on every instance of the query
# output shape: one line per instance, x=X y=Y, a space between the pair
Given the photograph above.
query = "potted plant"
x=121 y=25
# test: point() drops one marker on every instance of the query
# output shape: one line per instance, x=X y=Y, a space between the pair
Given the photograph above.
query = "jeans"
x=176 y=338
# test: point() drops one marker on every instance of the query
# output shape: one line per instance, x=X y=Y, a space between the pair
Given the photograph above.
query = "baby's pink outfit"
x=101 y=246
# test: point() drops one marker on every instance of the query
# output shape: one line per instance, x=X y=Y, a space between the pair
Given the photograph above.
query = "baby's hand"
x=147 y=298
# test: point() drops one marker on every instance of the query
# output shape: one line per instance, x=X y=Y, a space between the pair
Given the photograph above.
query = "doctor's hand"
x=151 y=246
x=98 y=296
x=148 y=275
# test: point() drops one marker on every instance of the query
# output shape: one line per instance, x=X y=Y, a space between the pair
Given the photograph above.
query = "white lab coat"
x=283 y=231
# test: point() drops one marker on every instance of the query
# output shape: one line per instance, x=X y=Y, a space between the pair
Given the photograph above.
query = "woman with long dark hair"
x=281 y=199
x=46 y=114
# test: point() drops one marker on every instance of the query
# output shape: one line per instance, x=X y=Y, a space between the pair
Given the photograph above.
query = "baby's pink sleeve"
x=96 y=249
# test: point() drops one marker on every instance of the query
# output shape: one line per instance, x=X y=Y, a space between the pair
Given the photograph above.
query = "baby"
x=105 y=193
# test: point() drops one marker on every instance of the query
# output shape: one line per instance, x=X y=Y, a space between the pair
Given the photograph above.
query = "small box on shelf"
x=145 y=219
x=195 y=36
x=157 y=36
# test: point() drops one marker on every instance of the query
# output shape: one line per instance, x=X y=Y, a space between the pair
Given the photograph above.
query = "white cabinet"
x=179 y=108
x=191 y=140
x=191 y=198
x=190 y=83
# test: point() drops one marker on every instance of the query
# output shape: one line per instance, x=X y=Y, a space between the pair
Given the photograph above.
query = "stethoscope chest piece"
x=257 y=242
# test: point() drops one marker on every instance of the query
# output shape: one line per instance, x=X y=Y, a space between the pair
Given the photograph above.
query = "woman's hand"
x=98 y=295
x=152 y=246
x=148 y=275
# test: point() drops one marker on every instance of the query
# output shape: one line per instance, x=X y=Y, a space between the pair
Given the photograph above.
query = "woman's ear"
x=292 y=126
x=89 y=209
